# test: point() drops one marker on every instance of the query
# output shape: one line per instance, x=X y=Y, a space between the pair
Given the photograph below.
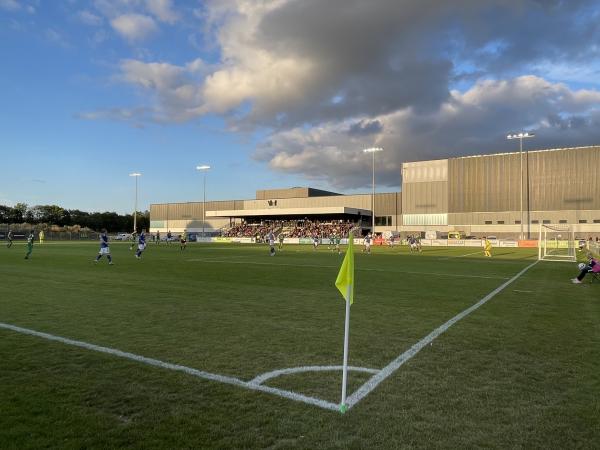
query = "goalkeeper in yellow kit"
x=487 y=247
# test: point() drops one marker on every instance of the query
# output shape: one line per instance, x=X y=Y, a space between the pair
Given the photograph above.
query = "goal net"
x=593 y=247
x=556 y=243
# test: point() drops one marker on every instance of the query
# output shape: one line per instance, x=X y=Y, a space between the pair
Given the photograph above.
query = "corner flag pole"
x=346 y=334
x=345 y=284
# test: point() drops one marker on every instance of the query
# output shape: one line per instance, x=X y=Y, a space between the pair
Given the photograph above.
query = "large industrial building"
x=506 y=195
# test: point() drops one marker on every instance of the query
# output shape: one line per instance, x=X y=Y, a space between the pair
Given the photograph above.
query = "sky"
x=279 y=93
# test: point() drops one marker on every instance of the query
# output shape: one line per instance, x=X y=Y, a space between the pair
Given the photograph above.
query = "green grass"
x=522 y=371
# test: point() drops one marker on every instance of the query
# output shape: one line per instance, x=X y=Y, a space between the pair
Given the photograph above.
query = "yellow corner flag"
x=345 y=279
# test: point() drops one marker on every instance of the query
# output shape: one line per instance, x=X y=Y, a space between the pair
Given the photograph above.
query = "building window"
x=545 y=221
x=582 y=221
x=535 y=221
x=562 y=221
x=517 y=222
x=500 y=222
x=488 y=222
x=425 y=219
x=383 y=220
x=596 y=220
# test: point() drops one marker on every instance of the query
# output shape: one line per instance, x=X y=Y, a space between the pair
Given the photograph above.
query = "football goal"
x=556 y=243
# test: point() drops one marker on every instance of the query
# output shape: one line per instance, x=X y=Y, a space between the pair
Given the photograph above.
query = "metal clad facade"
x=477 y=194
x=385 y=204
x=425 y=187
x=267 y=194
x=565 y=179
x=485 y=183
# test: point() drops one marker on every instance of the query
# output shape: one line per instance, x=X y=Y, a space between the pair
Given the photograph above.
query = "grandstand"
x=508 y=195
x=291 y=228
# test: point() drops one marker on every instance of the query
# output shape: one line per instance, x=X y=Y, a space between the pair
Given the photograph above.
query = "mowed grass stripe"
x=236 y=320
x=523 y=372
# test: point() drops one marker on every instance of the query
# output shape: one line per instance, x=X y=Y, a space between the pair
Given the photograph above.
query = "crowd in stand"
x=312 y=228
x=247 y=230
x=292 y=228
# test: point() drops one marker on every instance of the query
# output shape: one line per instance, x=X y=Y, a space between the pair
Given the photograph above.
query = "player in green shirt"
x=183 y=240
x=30 y=239
x=331 y=245
x=133 y=240
x=281 y=238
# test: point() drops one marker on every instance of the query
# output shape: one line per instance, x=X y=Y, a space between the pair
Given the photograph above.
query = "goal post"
x=556 y=243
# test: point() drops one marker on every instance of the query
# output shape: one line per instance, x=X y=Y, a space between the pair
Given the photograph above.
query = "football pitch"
x=223 y=346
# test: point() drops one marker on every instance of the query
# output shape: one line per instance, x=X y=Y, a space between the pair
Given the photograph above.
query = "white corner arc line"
x=260 y=379
x=388 y=370
x=176 y=367
x=254 y=384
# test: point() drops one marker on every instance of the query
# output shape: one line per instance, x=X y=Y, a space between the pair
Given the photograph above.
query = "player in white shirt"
x=141 y=245
x=271 y=241
x=104 y=248
x=367 y=242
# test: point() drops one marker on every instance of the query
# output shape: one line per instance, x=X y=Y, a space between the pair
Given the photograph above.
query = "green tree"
x=18 y=213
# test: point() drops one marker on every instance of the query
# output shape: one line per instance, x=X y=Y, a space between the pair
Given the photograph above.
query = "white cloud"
x=175 y=92
x=134 y=27
x=14 y=5
x=114 y=8
x=286 y=63
x=329 y=78
x=468 y=123
x=9 y=5
x=56 y=37
x=162 y=10
x=89 y=18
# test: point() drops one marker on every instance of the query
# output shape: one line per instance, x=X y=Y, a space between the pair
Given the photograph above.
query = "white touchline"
x=194 y=372
x=367 y=269
x=461 y=256
x=256 y=383
x=388 y=370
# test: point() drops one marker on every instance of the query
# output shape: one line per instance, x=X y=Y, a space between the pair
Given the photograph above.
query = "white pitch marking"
x=179 y=368
x=388 y=370
x=461 y=256
x=275 y=373
x=453 y=275
x=254 y=384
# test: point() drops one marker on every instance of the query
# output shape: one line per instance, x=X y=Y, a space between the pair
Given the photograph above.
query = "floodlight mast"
x=520 y=137
x=136 y=175
x=373 y=150
x=203 y=168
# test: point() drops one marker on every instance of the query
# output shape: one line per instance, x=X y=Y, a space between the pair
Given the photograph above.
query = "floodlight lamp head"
x=521 y=135
x=135 y=174
x=373 y=149
x=203 y=167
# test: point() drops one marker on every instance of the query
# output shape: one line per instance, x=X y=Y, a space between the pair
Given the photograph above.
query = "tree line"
x=53 y=215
